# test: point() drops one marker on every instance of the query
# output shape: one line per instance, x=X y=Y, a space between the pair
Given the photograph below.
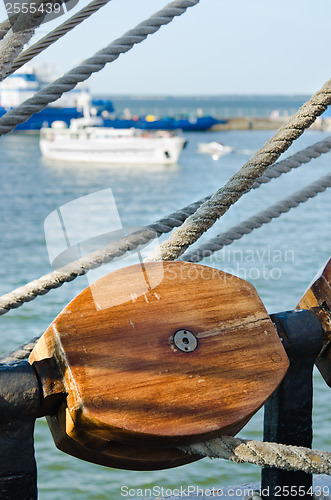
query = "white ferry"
x=83 y=143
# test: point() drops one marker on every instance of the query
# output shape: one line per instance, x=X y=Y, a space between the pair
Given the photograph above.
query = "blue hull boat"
x=75 y=104
x=46 y=116
x=187 y=124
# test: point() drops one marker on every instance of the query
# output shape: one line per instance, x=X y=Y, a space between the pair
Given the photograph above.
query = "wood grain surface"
x=317 y=298
x=127 y=381
x=91 y=448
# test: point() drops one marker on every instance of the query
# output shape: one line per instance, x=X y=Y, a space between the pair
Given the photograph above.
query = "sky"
x=216 y=47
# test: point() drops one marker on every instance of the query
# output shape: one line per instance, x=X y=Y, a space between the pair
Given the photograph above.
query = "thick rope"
x=294 y=161
x=4 y=28
x=264 y=454
x=55 y=279
x=56 y=34
x=11 y=45
x=243 y=180
x=21 y=352
x=258 y=220
x=19 y=34
x=93 y=260
x=92 y=65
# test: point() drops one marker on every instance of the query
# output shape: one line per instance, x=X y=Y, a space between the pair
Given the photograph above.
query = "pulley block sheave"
x=155 y=356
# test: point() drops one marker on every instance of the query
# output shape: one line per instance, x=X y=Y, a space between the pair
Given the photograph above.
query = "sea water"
x=280 y=259
x=227 y=106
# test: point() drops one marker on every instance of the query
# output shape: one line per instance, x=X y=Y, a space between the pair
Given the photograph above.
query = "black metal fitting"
x=19 y=407
x=288 y=412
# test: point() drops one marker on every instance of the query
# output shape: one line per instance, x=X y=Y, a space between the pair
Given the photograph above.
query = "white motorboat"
x=82 y=142
x=215 y=149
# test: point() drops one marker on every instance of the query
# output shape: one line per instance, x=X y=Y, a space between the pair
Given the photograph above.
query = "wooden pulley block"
x=318 y=299
x=91 y=448
x=155 y=356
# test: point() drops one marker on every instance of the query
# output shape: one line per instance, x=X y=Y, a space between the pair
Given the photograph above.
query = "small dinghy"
x=215 y=149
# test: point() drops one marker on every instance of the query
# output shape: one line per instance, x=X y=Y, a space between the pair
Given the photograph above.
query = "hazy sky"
x=216 y=47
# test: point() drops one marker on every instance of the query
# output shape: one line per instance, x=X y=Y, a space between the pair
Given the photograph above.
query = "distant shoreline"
x=202 y=96
x=219 y=106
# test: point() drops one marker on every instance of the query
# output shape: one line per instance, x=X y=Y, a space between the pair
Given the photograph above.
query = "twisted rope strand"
x=93 y=64
x=19 y=34
x=258 y=220
x=243 y=180
x=55 y=279
x=4 y=28
x=237 y=450
x=294 y=161
x=56 y=34
x=80 y=267
x=11 y=45
x=264 y=454
x=21 y=352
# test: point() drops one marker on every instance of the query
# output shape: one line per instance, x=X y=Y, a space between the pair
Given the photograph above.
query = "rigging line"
x=55 y=279
x=22 y=351
x=93 y=64
x=264 y=454
x=4 y=28
x=56 y=34
x=210 y=211
x=258 y=220
x=20 y=33
x=294 y=161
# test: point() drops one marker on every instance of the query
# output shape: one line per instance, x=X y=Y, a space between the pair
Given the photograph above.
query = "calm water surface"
x=224 y=106
x=280 y=259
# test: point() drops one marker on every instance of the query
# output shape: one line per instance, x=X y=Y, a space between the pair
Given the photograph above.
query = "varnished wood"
x=317 y=298
x=86 y=446
x=52 y=387
x=126 y=380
